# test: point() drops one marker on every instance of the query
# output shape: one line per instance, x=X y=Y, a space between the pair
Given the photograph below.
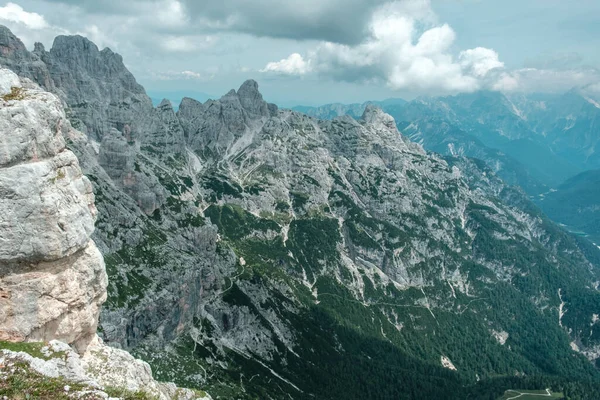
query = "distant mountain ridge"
x=355 y=110
x=535 y=141
x=576 y=203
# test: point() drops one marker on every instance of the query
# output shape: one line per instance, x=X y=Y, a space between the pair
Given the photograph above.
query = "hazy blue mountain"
x=444 y=138
x=576 y=203
x=355 y=110
x=570 y=124
x=498 y=124
x=535 y=141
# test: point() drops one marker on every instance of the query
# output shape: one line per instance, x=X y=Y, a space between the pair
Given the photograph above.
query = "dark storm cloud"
x=104 y=6
x=340 y=21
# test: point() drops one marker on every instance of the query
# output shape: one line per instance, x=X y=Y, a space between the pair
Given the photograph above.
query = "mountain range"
x=575 y=204
x=535 y=141
x=263 y=253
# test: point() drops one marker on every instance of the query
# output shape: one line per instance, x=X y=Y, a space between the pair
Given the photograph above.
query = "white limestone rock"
x=52 y=276
x=8 y=80
x=100 y=367
x=48 y=210
x=118 y=368
x=54 y=300
x=33 y=123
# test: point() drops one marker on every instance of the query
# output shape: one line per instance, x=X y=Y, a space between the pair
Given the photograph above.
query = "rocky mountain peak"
x=376 y=116
x=231 y=93
x=165 y=104
x=250 y=86
x=9 y=43
x=252 y=100
x=93 y=83
x=14 y=55
x=75 y=45
x=38 y=48
x=188 y=102
x=79 y=56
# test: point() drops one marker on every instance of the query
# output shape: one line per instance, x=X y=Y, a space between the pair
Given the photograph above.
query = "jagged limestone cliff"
x=265 y=254
x=52 y=277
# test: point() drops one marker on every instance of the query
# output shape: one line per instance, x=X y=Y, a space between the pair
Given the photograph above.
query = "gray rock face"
x=251 y=99
x=53 y=279
x=47 y=203
x=97 y=86
x=54 y=300
x=52 y=276
x=107 y=103
x=15 y=56
x=169 y=138
x=375 y=116
x=117 y=157
x=37 y=128
x=212 y=127
x=49 y=209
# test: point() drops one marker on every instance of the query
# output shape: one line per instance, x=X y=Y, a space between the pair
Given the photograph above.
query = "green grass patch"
x=19 y=381
x=33 y=349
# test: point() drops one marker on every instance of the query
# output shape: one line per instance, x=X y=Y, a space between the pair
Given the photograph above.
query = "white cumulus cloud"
x=401 y=44
x=15 y=13
x=404 y=49
x=191 y=74
x=550 y=80
x=293 y=65
x=479 y=61
x=170 y=14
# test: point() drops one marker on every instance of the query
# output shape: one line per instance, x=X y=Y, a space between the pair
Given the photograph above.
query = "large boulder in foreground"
x=52 y=276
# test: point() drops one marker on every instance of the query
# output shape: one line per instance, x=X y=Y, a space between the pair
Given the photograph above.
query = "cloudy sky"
x=320 y=51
